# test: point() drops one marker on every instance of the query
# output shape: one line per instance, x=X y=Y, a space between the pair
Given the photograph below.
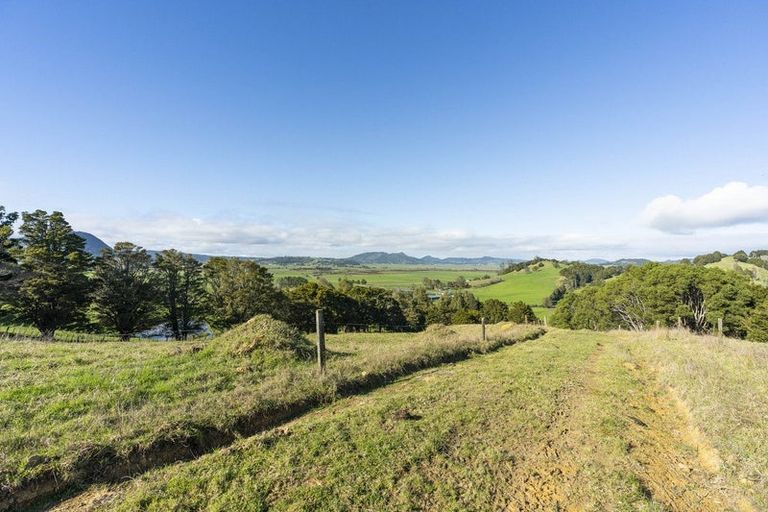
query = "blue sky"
x=448 y=128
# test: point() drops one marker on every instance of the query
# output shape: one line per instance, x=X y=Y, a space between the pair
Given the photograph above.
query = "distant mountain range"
x=94 y=245
x=400 y=258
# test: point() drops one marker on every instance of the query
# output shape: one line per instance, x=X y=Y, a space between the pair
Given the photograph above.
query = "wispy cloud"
x=246 y=237
x=732 y=204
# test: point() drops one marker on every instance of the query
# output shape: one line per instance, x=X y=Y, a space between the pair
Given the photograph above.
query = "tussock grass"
x=87 y=412
x=263 y=333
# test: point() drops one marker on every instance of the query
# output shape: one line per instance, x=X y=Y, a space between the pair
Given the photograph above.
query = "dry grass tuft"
x=263 y=332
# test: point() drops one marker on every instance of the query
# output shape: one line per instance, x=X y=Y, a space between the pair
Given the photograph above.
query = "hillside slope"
x=758 y=275
x=573 y=421
x=530 y=287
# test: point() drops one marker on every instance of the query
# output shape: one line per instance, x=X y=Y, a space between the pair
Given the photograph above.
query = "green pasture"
x=391 y=278
x=530 y=287
x=759 y=275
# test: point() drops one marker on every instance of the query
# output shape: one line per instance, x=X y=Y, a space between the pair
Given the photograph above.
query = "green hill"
x=530 y=287
x=758 y=274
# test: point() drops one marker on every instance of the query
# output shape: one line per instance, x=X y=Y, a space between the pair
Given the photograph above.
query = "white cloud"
x=247 y=237
x=732 y=204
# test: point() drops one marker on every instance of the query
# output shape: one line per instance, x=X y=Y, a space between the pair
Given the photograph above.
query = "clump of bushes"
x=263 y=332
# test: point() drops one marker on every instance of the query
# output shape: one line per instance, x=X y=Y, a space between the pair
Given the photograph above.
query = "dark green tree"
x=495 y=311
x=415 y=305
x=521 y=313
x=239 y=290
x=641 y=296
x=379 y=307
x=286 y=282
x=442 y=311
x=182 y=285
x=10 y=272
x=126 y=292
x=465 y=316
x=338 y=309
x=757 y=326
x=55 y=290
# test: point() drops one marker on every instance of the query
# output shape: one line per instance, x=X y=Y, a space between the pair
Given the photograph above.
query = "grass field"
x=572 y=421
x=760 y=275
x=80 y=411
x=13 y=330
x=392 y=277
x=531 y=288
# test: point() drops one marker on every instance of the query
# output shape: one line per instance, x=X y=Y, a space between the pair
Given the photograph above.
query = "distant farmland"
x=385 y=276
x=530 y=287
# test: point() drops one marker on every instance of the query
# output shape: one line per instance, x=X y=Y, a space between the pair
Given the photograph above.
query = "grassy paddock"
x=760 y=275
x=531 y=288
x=78 y=412
x=9 y=331
x=572 y=421
x=390 y=278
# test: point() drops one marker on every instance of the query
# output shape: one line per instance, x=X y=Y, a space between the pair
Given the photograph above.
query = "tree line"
x=47 y=279
x=692 y=296
x=580 y=274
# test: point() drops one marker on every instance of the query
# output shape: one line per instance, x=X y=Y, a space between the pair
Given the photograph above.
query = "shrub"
x=757 y=325
x=521 y=313
x=466 y=316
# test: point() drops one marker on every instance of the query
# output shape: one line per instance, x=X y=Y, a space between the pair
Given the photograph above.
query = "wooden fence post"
x=545 y=321
x=720 y=327
x=320 y=340
x=482 y=323
x=679 y=323
x=658 y=324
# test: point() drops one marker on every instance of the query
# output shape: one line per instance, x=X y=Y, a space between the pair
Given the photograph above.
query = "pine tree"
x=126 y=290
x=54 y=292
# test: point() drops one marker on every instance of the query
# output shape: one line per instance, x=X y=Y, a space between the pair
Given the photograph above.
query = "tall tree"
x=125 y=289
x=55 y=291
x=183 y=290
x=10 y=272
x=239 y=290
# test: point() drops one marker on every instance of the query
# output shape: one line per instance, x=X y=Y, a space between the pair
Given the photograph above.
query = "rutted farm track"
x=570 y=422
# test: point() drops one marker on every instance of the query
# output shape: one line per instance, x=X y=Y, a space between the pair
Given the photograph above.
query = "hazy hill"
x=93 y=244
x=400 y=258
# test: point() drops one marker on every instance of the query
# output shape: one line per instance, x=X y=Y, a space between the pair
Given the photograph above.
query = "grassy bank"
x=723 y=385
x=84 y=412
x=572 y=421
